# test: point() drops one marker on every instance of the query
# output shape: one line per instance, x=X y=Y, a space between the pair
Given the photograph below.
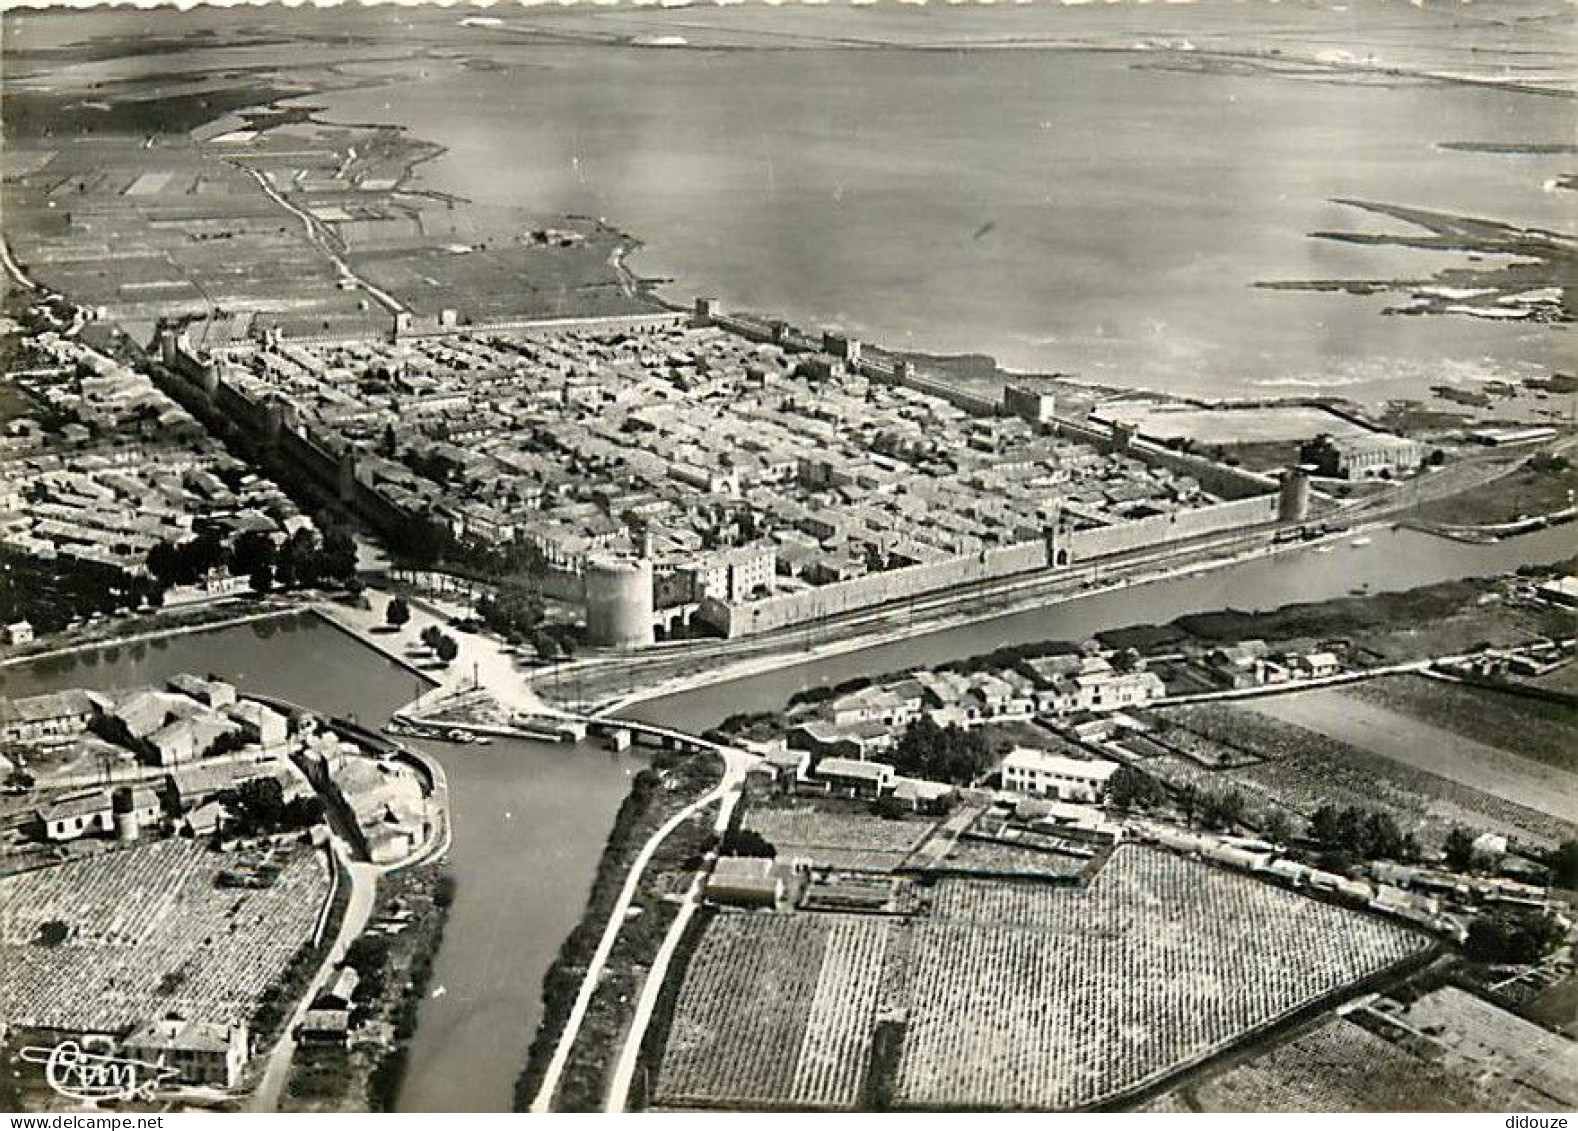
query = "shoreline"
x=652 y=289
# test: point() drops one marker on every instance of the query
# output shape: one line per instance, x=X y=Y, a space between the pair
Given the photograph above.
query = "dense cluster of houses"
x=800 y=771
x=207 y=741
x=386 y=802
x=132 y=469
x=868 y=721
x=185 y=721
x=686 y=441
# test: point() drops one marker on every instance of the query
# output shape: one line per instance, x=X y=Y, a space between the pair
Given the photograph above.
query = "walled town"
x=811 y=747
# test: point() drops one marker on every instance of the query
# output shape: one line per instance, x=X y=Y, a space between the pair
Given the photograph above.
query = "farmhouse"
x=1067 y=779
x=745 y=881
x=92 y=813
x=202 y=1053
x=858 y=779
x=58 y=715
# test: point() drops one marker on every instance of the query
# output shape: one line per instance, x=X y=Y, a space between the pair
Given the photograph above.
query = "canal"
x=530 y=819
x=1392 y=560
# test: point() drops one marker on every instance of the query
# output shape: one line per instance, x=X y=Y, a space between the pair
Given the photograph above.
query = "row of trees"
x=308 y=558
x=49 y=595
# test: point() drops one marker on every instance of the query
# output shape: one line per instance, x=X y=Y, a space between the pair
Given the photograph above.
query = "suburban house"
x=262 y=725
x=214 y=693
x=855 y=778
x=92 y=813
x=1239 y=665
x=923 y=796
x=822 y=739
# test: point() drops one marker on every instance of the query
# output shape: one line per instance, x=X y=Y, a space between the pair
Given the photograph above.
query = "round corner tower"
x=619 y=603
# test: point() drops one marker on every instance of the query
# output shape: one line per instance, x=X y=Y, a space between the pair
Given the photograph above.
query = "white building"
x=1067 y=779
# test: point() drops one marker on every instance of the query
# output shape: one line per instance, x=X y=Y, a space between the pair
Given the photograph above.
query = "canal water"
x=1392 y=560
x=530 y=819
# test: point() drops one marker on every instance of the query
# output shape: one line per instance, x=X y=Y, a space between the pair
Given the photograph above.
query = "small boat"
x=1361 y=541
x=481 y=740
x=1326 y=549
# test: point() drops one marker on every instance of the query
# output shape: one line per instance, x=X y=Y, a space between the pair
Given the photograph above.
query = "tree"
x=1277 y=826
x=746 y=842
x=398 y=612
x=1366 y=834
x=1563 y=864
x=889 y=808
x=1221 y=809
x=163 y=563
x=447 y=649
x=430 y=635
x=1459 y=849
x=1129 y=788
x=945 y=754
x=261 y=579
x=546 y=646
x=1512 y=938
x=252 y=551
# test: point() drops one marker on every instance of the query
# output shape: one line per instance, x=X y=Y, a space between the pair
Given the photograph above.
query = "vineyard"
x=975 y=855
x=1064 y=997
x=1531 y=727
x=1338 y=1067
x=837 y=835
x=149 y=932
x=1067 y=998
x=775 y=1011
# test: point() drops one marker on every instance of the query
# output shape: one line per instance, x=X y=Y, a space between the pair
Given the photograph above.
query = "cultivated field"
x=1011 y=859
x=1413 y=742
x=1069 y=998
x=150 y=932
x=1064 y=997
x=1514 y=1057
x=1317 y=750
x=776 y=1011
x=838 y=835
x=1338 y=1067
x=1529 y=727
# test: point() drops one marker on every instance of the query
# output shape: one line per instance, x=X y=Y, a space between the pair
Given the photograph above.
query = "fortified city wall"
x=749 y=617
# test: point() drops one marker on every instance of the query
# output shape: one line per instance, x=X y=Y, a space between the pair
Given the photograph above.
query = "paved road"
x=735 y=763
x=630 y=1054
x=323 y=242
x=363 y=880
